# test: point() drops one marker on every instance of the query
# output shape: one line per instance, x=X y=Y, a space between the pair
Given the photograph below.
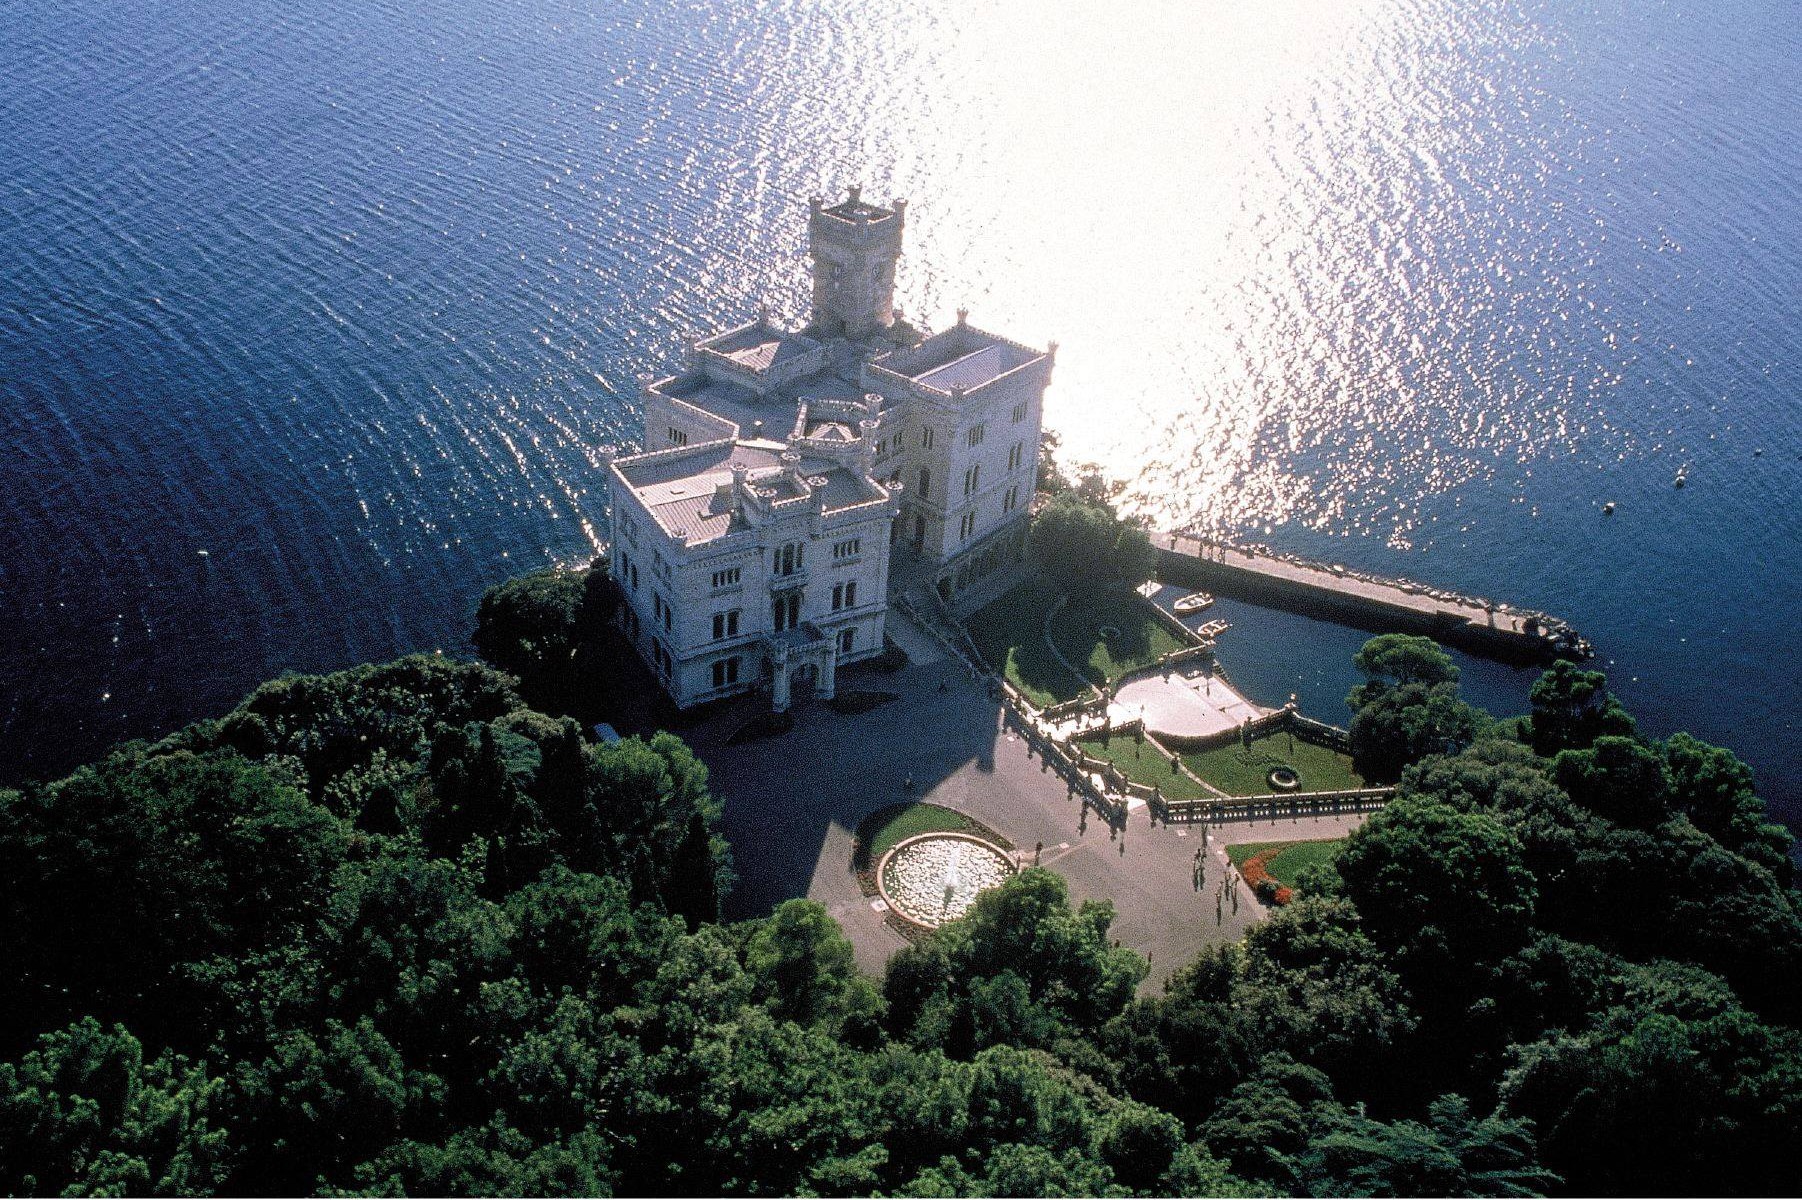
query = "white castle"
x=784 y=471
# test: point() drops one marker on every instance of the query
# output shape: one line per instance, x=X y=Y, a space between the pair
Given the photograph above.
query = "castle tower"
x=854 y=246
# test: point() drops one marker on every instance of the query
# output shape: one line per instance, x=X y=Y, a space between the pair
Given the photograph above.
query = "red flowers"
x=1256 y=876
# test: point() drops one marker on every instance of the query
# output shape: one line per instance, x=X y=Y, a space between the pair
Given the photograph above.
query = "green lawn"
x=1239 y=772
x=1010 y=633
x=1143 y=764
x=1286 y=865
x=901 y=822
x=1141 y=637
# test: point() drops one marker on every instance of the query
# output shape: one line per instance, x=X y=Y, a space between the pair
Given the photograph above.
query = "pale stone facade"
x=782 y=470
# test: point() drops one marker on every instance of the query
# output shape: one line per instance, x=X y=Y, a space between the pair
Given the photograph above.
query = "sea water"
x=318 y=317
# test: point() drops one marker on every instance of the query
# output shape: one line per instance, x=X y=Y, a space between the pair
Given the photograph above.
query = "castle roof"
x=681 y=488
x=961 y=358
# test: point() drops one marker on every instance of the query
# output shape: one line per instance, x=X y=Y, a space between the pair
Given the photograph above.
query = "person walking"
x=1037 y=849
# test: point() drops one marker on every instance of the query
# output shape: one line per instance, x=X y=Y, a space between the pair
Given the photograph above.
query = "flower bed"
x=1258 y=877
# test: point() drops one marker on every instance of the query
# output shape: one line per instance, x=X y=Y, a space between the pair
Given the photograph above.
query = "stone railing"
x=1071 y=709
x=1275 y=806
x=1321 y=734
x=1021 y=717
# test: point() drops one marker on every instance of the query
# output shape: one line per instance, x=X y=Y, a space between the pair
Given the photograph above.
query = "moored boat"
x=1193 y=603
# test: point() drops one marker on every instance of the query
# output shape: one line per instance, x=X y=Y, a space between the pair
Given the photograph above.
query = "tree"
x=1571 y=708
x=1394 y=659
x=1407 y=707
x=1133 y=558
x=800 y=963
x=1313 y=981
x=1612 y=1101
x=322 y=1103
x=1079 y=541
x=1025 y=928
x=83 y=1113
x=1451 y=1154
x=1714 y=788
x=1443 y=891
x=1617 y=778
x=1394 y=727
x=1072 y=540
x=530 y=626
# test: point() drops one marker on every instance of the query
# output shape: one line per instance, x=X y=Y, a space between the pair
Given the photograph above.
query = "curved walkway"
x=1063 y=602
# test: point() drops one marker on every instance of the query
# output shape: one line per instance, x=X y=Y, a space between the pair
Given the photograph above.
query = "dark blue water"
x=319 y=317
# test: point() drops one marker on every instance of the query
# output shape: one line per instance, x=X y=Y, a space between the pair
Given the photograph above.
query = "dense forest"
x=393 y=930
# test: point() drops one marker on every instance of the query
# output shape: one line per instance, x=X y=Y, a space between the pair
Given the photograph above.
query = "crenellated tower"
x=854 y=246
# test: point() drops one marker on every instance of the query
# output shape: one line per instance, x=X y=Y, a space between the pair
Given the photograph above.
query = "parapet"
x=855 y=219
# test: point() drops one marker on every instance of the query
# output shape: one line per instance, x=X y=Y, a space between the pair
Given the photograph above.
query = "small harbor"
x=1335 y=592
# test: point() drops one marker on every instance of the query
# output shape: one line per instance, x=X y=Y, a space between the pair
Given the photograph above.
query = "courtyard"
x=794 y=802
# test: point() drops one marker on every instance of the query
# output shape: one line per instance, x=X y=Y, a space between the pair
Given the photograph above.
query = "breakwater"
x=1335 y=592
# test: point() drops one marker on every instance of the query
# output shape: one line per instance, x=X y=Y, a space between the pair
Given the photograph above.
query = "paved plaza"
x=1188 y=702
x=794 y=801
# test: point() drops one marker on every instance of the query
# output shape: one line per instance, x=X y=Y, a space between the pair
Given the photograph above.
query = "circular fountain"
x=1284 y=778
x=935 y=877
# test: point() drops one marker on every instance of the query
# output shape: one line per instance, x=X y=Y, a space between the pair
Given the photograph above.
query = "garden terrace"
x=1241 y=772
x=1010 y=635
x=1143 y=762
x=1138 y=636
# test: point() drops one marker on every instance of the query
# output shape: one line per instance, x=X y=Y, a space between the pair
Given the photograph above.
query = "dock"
x=1334 y=592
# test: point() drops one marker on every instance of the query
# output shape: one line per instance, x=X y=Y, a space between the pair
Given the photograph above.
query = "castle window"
x=925 y=439
x=1011 y=500
x=976 y=434
x=966 y=525
x=661 y=607
x=666 y=665
x=972 y=478
x=847 y=638
x=1019 y=412
x=925 y=483
x=1014 y=456
x=785 y=611
x=725 y=671
x=725 y=624
x=726 y=578
x=677 y=437
x=788 y=558
x=844 y=595
x=847 y=549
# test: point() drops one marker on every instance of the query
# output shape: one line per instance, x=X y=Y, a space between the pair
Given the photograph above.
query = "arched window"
x=925 y=483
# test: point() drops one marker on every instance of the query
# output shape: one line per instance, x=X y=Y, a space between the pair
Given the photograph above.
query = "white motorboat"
x=1191 y=604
